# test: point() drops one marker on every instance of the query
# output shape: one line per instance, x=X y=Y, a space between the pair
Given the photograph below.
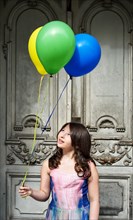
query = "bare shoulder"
x=45 y=166
x=94 y=172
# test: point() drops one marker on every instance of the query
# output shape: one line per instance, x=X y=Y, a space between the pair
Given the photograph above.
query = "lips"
x=60 y=141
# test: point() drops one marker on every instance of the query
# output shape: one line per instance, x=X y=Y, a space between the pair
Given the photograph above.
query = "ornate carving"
x=5 y=50
x=106 y=122
x=10 y=159
x=92 y=129
x=18 y=128
x=108 y=155
x=120 y=129
x=101 y=152
x=30 y=121
x=22 y=151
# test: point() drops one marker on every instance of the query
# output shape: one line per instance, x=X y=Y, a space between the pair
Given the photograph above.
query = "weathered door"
x=102 y=100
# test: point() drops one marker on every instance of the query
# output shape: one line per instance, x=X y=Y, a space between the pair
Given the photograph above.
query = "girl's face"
x=64 y=139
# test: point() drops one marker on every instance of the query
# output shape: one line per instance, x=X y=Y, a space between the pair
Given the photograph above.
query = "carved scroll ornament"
x=105 y=154
x=23 y=152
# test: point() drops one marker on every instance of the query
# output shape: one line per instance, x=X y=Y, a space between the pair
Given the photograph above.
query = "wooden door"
x=102 y=100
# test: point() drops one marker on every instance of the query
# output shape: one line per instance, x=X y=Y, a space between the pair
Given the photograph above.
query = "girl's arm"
x=93 y=188
x=44 y=192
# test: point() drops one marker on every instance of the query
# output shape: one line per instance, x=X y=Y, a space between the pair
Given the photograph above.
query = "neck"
x=68 y=155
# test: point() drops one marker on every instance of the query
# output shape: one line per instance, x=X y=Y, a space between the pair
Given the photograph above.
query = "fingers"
x=24 y=188
x=25 y=191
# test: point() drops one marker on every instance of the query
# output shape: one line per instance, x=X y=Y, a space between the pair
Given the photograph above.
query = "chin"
x=59 y=145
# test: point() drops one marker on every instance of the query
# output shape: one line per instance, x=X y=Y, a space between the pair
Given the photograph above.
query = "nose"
x=62 y=134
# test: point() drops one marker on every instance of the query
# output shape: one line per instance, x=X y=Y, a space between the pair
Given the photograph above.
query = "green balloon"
x=55 y=45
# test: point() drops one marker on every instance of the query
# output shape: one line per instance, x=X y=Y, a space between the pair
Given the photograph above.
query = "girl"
x=71 y=175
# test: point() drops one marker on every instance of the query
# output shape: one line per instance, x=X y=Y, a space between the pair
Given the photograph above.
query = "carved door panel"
x=106 y=102
x=23 y=105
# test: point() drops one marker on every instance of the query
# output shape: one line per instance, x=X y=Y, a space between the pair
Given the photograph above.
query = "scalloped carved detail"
x=18 y=128
x=106 y=122
x=30 y=121
x=120 y=129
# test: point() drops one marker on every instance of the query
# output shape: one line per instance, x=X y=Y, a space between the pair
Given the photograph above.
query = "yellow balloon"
x=33 y=52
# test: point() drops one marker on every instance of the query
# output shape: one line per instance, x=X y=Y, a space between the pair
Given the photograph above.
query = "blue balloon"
x=86 y=56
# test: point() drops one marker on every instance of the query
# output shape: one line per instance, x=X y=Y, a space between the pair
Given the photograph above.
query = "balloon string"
x=25 y=176
x=44 y=128
x=35 y=129
x=37 y=115
x=46 y=95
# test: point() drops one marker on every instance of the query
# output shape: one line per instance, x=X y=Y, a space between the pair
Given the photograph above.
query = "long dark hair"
x=81 y=142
